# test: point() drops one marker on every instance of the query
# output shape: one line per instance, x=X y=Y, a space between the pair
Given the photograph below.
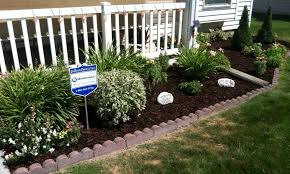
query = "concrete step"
x=247 y=77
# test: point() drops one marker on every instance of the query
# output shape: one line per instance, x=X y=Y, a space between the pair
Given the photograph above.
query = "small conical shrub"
x=242 y=36
x=265 y=34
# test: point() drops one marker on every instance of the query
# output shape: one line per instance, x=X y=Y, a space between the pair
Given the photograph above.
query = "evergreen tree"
x=242 y=36
x=265 y=34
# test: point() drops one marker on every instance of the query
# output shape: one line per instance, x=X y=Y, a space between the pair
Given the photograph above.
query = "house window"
x=217 y=2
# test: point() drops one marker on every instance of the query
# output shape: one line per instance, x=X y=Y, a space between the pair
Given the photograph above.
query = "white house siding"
x=278 y=6
x=230 y=15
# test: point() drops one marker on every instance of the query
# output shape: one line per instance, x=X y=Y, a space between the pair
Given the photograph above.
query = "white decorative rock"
x=225 y=82
x=165 y=98
x=3 y=168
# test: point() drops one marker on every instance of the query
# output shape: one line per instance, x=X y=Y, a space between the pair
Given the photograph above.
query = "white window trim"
x=218 y=5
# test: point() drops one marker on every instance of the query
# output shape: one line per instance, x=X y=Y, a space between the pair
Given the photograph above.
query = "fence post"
x=106 y=25
x=190 y=15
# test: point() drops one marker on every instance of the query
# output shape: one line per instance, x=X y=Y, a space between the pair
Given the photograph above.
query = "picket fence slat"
x=173 y=28
x=143 y=32
x=180 y=27
x=75 y=39
x=85 y=36
x=13 y=45
x=126 y=31
x=158 y=30
x=135 y=31
x=26 y=43
x=96 y=32
x=2 y=60
x=51 y=41
x=166 y=31
x=151 y=32
x=63 y=40
x=117 y=32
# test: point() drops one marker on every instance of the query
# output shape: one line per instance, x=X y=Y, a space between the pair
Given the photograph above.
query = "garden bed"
x=155 y=113
x=240 y=61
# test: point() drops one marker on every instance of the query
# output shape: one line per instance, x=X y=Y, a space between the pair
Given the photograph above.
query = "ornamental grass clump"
x=120 y=96
x=153 y=70
x=35 y=108
x=201 y=63
x=242 y=36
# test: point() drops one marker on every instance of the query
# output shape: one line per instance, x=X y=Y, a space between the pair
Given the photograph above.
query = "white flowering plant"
x=121 y=94
x=37 y=135
x=35 y=108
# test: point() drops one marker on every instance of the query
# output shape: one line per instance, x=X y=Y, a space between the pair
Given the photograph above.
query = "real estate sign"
x=83 y=80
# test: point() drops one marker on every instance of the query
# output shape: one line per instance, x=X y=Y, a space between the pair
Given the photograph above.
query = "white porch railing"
x=152 y=29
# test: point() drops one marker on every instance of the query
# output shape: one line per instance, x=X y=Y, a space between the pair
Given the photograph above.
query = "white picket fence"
x=157 y=37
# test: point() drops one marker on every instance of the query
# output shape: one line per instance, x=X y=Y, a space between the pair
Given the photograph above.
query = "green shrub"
x=242 y=36
x=260 y=66
x=121 y=94
x=200 y=63
x=218 y=34
x=255 y=50
x=275 y=55
x=265 y=34
x=190 y=88
x=35 y=108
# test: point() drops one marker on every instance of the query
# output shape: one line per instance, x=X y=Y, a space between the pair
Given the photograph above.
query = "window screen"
x=217 y=2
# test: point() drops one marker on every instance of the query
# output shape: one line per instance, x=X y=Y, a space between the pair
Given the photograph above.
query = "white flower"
x=67 y=144
x=213 y=53
x=44 y=130
x=17 y=153
x=11 y=141
x=4 y=141
x=44 y=146
x=19 y=125
x=24 y=149
x=7 y=157
x=35 y=153
x=51 y=150
x=54 y=133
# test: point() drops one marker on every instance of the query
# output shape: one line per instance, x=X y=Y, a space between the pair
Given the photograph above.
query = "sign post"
x=84 y=81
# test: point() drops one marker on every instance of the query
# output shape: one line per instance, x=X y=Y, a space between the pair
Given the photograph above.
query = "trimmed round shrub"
x=37 y=112
x=191 y=88
x=121 y=95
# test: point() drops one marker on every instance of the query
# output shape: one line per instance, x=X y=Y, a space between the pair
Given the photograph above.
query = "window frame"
x=217 y=5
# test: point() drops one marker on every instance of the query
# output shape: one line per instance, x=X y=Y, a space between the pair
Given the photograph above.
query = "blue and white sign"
x=83 y=79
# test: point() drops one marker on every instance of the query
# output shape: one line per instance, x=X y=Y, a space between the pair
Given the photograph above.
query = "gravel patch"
x=3 y=168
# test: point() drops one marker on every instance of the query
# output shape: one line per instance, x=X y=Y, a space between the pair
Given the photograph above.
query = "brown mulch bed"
x=241 y=62
x=155 y=113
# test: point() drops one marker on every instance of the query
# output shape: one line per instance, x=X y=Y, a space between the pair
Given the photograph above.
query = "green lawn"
x=253 y=138
x=281 y=25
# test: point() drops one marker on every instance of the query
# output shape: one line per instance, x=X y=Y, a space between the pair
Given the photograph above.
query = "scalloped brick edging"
x=139 y=137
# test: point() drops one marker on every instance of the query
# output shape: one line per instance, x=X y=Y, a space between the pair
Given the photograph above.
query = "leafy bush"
x=265 y=34
x=155 y=70
x=35 y=108
x=255 y=50
x=200 y=63
x=275 y=55
x=218 y=34
x=121 y=95
x=190 y=88
x=203 y=39
x=242 y=36
x=260 y=66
